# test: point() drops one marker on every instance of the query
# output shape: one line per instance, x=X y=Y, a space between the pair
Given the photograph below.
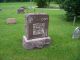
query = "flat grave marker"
x=11 y=21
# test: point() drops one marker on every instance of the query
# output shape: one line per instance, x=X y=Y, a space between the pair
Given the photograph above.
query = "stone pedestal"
x=35 y=43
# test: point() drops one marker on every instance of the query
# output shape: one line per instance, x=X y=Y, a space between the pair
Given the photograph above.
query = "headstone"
x=11 y=21
x=21 y=10
x=36 y=31
x=23 y=7
x=76 y=33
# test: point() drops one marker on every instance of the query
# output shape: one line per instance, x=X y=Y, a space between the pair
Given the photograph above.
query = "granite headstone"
x=36 y=31
x=21 y=10
x=76 y=33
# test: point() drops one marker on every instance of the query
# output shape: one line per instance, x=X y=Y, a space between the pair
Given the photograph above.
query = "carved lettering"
x=38 y=28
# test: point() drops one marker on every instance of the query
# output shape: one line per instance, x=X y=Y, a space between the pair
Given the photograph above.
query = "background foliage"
x=71 y=7
x=42 y=3
x=14 y=0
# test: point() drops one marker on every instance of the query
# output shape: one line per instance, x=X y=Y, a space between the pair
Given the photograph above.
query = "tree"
x=72 y=8
x=1 y=1
x=14 y=0
x=42 y=3
x=60 y=2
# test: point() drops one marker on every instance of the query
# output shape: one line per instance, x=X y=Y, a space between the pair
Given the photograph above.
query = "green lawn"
x=62 y=46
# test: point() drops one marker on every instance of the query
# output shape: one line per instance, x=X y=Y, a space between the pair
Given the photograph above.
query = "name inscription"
x=38 y=28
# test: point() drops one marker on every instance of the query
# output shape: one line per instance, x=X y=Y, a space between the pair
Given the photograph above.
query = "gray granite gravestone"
x=76 y=33
x=23 y=7
x=21 y=10
x=37 y=31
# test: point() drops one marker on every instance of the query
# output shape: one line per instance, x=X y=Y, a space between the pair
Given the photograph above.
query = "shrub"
x=41 y=3
x=72 y=8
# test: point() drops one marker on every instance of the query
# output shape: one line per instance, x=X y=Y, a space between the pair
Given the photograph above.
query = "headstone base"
x=35 y=43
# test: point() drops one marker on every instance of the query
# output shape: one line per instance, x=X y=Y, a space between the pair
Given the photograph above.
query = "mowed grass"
x=62 y=46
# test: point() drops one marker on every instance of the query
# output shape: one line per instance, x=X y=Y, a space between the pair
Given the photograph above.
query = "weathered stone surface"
x=11 y=21
x=76 y=33
x=35 y=43
x=23 y=7
x=36 y=27
x=21 y=10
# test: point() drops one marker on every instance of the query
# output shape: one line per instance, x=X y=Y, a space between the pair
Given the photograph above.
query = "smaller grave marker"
x=76 y=33
x=21 y=10
x=11 y=21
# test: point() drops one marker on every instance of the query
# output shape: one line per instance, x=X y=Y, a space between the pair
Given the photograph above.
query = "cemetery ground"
x=62 y=46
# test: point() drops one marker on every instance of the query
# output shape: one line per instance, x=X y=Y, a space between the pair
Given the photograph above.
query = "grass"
x=62 y=46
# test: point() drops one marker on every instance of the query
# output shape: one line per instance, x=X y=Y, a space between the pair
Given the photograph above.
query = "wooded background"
x=14 y=0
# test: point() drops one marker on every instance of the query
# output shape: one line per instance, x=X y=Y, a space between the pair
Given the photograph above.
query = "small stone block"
x=35 y=43
x=11 y=21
